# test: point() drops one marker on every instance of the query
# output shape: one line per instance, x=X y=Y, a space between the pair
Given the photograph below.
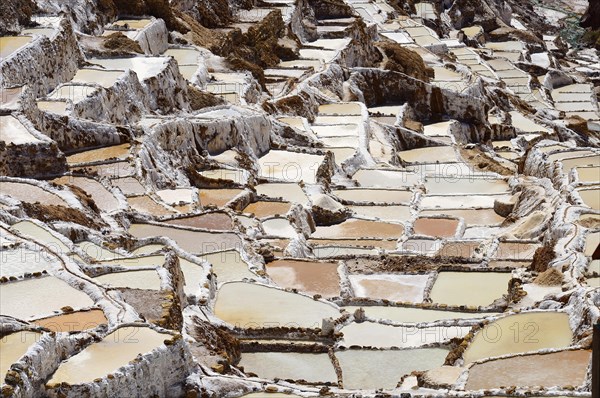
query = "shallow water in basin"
x=588 y=174
x=592 y=241
x=34 y=298
x=12 y=131
x=217 y=197
x=105 y=78
x=30 y=193
x=280 y=227
x=288 y=192
x=531 y=370
x=40 y=234
x=406 y=288
x=385 y=178
x=100 y=154
x=176 y=196
x=515 y=250
x=437 y=227
x=568 y=164
x=229 y=266
x=457 y=202
x=414 y=315
x=290 y=166
x=238 y=176
x=374 y=195
x=441 y=186
x=20 y=260
x=385 y=213
x=184 y=56
x=469 y=288
x=464 y=249
x=58 y=107
x=133 y=23
x=131 y=279
x=290 y=365
x=136 y=262
x=366 y=369
x=252 y=305
x=13 y=347
x=355 y=228
x=345 y=108
x=192 y=241
x=10 y=44
x=371 y=334
x=145 y=204
x=262 y=209
x=74 y=321
x=98 y=252
x=424 y=155
x=307 y=276
x=527 y=331
x=106 y=356
x=471 y=217
x=591 y=197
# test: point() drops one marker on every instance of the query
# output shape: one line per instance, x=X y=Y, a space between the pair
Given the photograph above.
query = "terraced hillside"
x=298 y=198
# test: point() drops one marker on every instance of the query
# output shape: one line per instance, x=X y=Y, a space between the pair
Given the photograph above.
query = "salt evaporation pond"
x=192 y=241
x=437 y=227
x=263 y=209
x=105 y=78
x=374 y=195
x=527 y=331
x=385 y=213
x=217 y=197
x=10 y=44
x=442 y=154
x=590 y=197
x=35 y=298
x=249 y=305
x=97 y=252
x=131 y=279
x=30 y=193
x=355 y=228
x=377 y=335
x=13 y=347
x=101 y=358
x=566 y=368
x=74 y=321
x=215 y=221
x=440 y=186
x=308 y=276
x=469 y=288
x=12 y=131
x=406 y=288
x=369 y=370
x=145 y=204
x=385 y=178
x=40 y=234
x=290 y=166
x=100 y=154
x=280 y=227
x=102 y=197
x=290 y=365
x=470 y=216
x=414 y=314
x=21 y=260
x=228 y=266
x=288 y=192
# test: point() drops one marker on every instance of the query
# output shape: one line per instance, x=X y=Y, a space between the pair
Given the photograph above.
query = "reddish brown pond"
x=557 y=369
x=74 y=321
x=262 y=209
x=217 y=197
x=215 y=221
x=355 y=228
x=307 y=276
x=438 y=227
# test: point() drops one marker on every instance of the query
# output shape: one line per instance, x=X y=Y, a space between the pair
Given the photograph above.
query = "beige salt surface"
x=228 y=266
x=13 y=347
x=290 y=166
x=74 y=321
x=385 y=213
x=590 y=197
x=131 y=279
x=531 y=370
x=440 y=186
x=374 y=195
x=372 y=178
x=250 y=305
x=34 y=298
x=290 y=365
x=307 y=276
x=280 y=227
x=355 y=228
x=41 y=234
x=515 y=250
x=471 y=216
x=289 y=192
x=407 y=288
x=414 y=314
x=30 y=193
x=518 y=333
x=10 y=44
x=469 y=288
x=368 y=369
x=12 y=131
x=101 y=358
x=371 y=334
x=145 y=204
x=214 y=221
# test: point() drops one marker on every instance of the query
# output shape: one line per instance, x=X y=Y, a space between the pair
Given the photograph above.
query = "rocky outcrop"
x=15 y=14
